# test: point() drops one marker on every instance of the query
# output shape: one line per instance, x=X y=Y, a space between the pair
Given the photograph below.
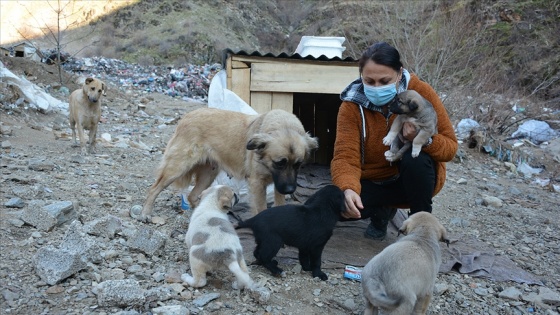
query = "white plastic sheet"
x=464 y=128
x=35 y=96
x=537 y=131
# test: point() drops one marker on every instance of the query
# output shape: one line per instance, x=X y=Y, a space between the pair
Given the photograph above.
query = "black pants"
x=414 y=186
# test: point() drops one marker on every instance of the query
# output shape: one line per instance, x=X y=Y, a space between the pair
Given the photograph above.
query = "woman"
x=374 y=187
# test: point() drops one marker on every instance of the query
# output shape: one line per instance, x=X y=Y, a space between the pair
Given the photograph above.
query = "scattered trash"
x=190 y=82
x=464 y=128
x=353 y=273
x=537 y=131
x=31 y=93
x=541 y=182
x=527 y=170
x=184 y=202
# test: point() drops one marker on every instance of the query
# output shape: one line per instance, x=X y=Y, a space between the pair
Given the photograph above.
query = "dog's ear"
x=412 y=105
x=89 y=80
x=258 y=142
x=104 y=88
x=225 y=198
x=404 y=228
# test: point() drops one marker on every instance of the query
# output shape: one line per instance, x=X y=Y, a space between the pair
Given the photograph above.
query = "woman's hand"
x=353 y=205
x=409 y=131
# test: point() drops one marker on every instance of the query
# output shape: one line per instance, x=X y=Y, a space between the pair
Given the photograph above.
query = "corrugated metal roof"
x=280 y=56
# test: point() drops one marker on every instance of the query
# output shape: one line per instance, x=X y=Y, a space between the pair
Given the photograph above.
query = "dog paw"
x=187 y=278
x=415 y=152
x=388 y=140
x=390 y=156
x=321 y=275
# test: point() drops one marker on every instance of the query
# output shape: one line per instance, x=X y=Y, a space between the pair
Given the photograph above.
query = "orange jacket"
x=346 y=166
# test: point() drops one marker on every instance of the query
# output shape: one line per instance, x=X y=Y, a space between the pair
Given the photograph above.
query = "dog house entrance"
x=318 y=113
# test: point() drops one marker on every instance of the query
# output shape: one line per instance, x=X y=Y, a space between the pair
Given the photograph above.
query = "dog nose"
x=286 y=189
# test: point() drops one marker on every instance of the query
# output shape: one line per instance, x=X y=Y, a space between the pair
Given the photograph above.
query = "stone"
x=15 y=203
x=171 y=310
x=120 y=293
x=77 y=241
x=147 y=240
x=440 y=288
x=492 y=201
x=549 y=297
x=54 y=265
x=510 y=293
x=205 y=299
x=40 y=165
x=47 y=217
x=106 y=226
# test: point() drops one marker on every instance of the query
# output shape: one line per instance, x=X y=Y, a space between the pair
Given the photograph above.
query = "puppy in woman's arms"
x=413 y=108
x=307 y=227
x=401 y=278
x=212 y=241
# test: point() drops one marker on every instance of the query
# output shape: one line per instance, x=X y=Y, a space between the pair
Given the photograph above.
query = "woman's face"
x=374 y=74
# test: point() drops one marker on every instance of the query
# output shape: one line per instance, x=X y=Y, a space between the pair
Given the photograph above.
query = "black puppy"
x=307 y=227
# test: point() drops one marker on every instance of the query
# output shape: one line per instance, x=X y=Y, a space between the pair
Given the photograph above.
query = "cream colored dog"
x=401 y=278
x=212 y=241
x=263 y=149
x=85 y=111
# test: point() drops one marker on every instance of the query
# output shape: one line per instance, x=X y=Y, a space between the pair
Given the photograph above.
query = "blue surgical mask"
x=380 y=95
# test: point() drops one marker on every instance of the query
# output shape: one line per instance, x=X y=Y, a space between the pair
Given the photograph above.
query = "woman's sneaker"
x=377 y=230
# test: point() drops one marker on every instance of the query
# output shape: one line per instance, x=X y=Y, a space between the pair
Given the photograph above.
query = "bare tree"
x=65 y=12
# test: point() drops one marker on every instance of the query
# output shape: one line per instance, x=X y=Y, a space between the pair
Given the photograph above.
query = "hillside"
x=490 y=46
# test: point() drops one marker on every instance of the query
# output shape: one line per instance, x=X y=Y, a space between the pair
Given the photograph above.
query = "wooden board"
x=240 y=83
x=261 y=101
x=283 y=101
x=301 y=78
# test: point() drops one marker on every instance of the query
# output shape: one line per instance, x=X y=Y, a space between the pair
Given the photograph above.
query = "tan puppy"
x=212 y=241
x=263 y=149
x=85 y=111
x=401 y=278
x=411 y=107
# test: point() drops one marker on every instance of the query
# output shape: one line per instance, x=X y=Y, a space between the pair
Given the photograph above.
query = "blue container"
x=184 y=203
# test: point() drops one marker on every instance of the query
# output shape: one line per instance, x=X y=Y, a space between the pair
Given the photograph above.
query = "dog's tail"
x=377 y=295
x=241 y=224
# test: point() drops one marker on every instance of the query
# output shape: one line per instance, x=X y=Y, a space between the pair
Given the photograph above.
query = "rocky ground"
x=105 y=262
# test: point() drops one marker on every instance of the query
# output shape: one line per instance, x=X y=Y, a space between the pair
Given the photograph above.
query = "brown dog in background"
x=401 y=278
x=85 y=111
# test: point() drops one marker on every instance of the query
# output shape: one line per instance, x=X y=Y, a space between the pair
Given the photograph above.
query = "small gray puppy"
x=401 y=278
x=410 y=107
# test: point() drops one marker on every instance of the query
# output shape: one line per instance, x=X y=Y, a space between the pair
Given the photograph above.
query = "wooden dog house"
x=307 y=86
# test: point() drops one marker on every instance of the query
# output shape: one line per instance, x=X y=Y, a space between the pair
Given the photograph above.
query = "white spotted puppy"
x=212 y=241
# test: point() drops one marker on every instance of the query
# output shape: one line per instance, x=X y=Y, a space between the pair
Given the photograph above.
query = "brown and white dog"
x=263 y=149
x=85 y=112
x=212 y=241
x=410 y=107
x=400 y=279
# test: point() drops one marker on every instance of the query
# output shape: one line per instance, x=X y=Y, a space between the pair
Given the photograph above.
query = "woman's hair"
x=383 y=54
